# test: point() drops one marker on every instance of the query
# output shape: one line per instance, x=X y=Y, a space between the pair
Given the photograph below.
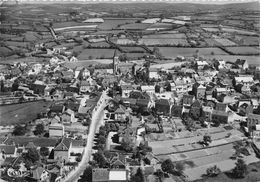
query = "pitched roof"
x=127 y=87
x=30 y=145
x=244 y=79
x=196 y=103
x=219 y=113
x=163 y=102
x=120 y=110
x=118 y=160
x=23 y=141
x=63 y=145
x=7 y=149
x=38 y=172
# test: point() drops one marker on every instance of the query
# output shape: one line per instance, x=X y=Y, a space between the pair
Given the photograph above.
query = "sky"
x=146 y=1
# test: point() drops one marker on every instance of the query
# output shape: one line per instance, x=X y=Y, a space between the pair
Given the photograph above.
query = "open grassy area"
x=110 y=24
x=170 y=52
x=163 y=41
x=96 y=53
x=243 y=50
x=252 y=176
x=21 y=113
x=166 y=36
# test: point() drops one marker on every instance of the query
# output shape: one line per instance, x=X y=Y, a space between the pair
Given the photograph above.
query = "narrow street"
x=97 y=117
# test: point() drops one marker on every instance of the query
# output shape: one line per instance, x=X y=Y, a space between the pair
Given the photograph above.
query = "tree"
x=168 y=86
x=32 y=155
x=159 y=174
x=157 y=53
x=2 y=86
x=168 y=166
x=157 y=89
x=179 y=166
x=100 y=159
x=101 y=139
x=123 y=58
x=15 y=86
x=138 y=176
x=213 y=171
x=240 y=169
x=127 y=144
x=87 y=175
x=75 y=53
x=44 y=151
x=19 y=130
x=39 y=129
x=78 y=158
x=207 y=139
x=216 y=123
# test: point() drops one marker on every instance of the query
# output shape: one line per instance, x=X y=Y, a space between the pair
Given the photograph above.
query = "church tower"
x=115 y=62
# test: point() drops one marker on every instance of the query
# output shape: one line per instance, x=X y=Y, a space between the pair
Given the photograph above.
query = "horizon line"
x=213 y=2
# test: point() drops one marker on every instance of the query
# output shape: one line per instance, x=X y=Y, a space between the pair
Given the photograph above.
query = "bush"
x=240 y=169
x=39 y=129
x=213 y=171
x=44 y=151
x=19 y=130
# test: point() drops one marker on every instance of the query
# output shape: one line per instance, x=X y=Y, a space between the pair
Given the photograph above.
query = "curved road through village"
x=97 y=118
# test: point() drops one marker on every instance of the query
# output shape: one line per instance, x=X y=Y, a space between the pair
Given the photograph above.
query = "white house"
x=56 y=130
x=247 y=80
x=153 y=73
x=148 y=88
x=36 y=68
x=201 y=64
x=77 y=71
x=54 y=60
x=126 y=89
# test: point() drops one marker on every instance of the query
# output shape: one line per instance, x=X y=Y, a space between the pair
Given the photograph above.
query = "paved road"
x=97 y=118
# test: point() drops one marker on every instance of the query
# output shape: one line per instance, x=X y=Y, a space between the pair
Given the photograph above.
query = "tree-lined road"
x=97 y=118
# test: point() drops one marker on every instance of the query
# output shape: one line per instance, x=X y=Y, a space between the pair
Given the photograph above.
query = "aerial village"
x=124 y=108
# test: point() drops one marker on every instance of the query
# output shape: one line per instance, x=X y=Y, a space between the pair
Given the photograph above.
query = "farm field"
x=110 y=24
x=86 y=63
x=21 y=113
x=68 y=24
x=100 y=44
x=225 y=42
x=172 y=52
x=247 y=40
x=96 y=53
x=135 y=26
x=243 y=32
x=164 y=41
x=162 y=26
x=124 y=41
x=254 y=60
x=77 y=28
x=133 y=49
x=243 y=50
x=16 y=44
x=212 y=42
x=136 y=55
x=4 y=51
x=251 y=176
x=211 y=29
x=165 y=36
